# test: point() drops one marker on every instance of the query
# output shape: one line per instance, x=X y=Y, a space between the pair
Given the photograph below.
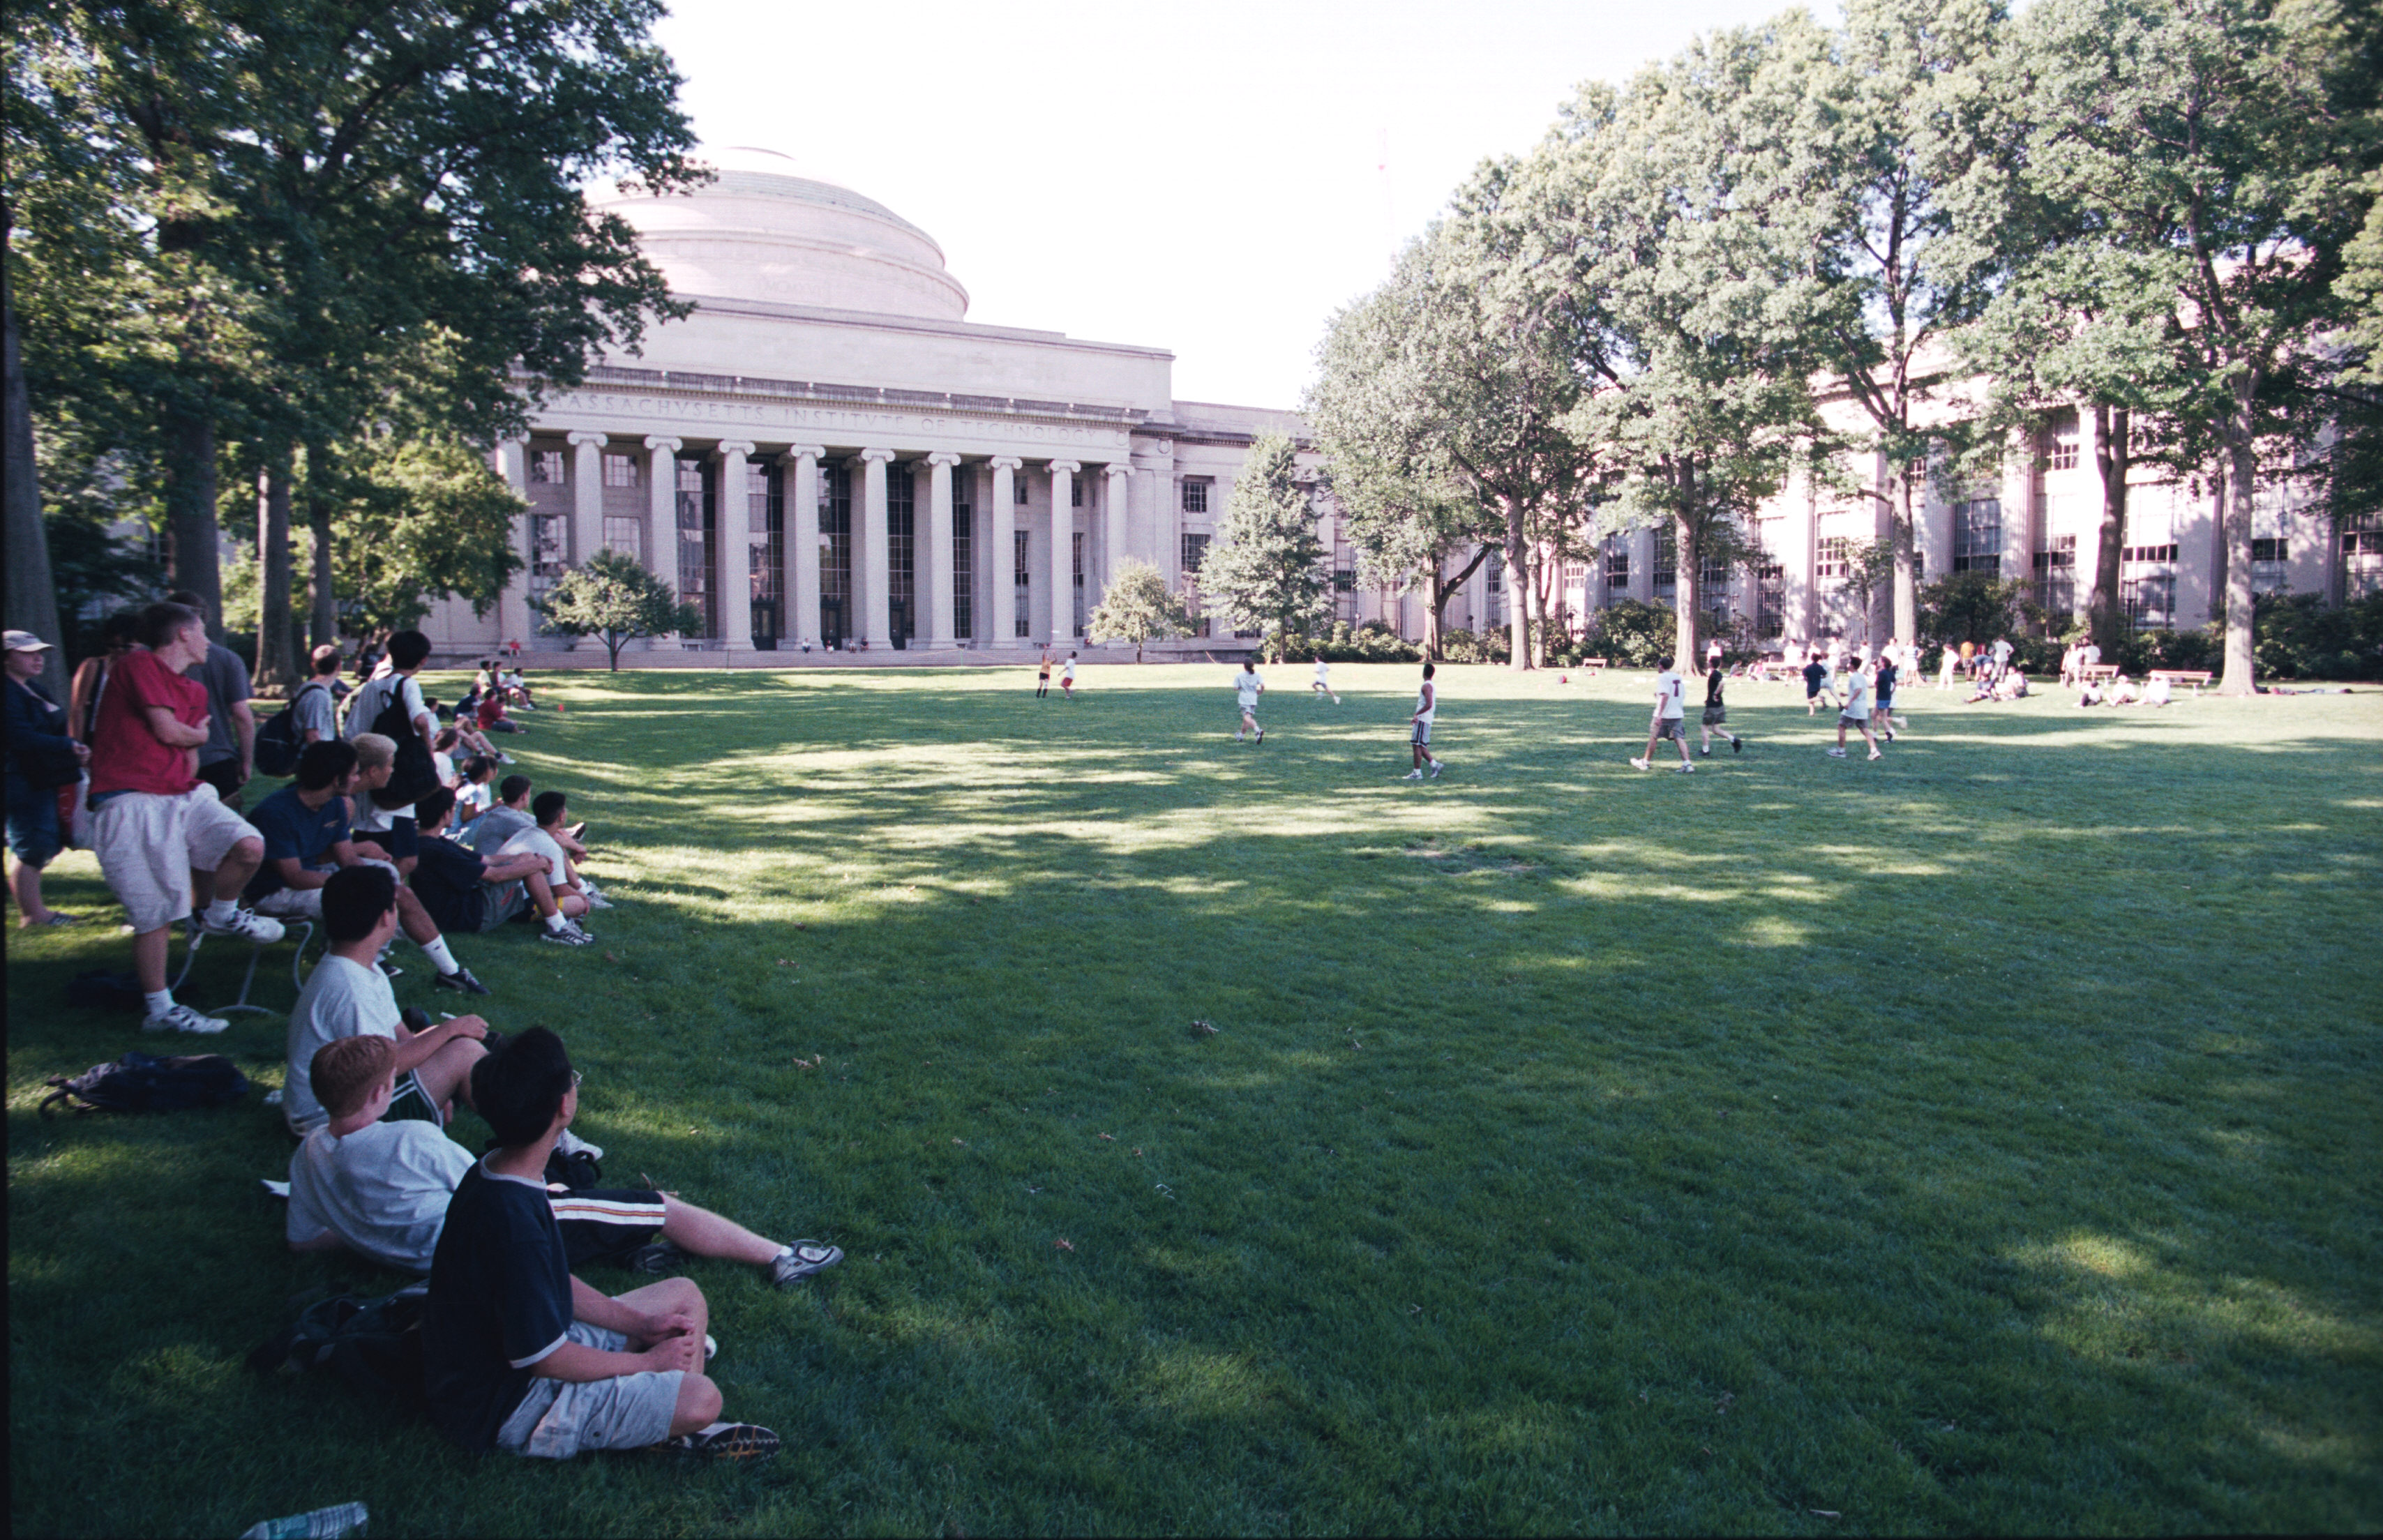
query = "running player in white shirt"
x=1426 y=703
x=1671 y=719
x=1067 y=678
x=1323 y=685
x=1251 y=686
x=1855 y=715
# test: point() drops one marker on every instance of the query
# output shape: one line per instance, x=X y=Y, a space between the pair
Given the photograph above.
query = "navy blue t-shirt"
x=500 y=1301
x=293 y=830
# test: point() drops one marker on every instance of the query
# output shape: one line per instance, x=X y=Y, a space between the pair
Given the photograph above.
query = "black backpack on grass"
x=139 y=1082
x=373 y=1343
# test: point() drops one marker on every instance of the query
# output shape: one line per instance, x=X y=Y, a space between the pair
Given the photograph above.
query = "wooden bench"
x=2099 y=672
x=1592 y=666
x=2194 y=677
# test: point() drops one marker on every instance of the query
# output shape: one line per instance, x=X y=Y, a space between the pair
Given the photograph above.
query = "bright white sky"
x=1213 y=178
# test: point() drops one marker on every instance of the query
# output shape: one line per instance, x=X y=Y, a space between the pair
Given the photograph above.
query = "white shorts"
x=305 y=903
x=556 y=1419
x=149 y=844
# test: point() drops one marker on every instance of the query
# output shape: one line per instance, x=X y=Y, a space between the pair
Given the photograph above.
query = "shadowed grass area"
x=1984 y=1140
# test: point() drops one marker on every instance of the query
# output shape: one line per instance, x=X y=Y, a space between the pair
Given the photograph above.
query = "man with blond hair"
x=161 y=833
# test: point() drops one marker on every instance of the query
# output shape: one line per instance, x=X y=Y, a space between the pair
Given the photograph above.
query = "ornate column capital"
x=1006 y=463
x=877 y=457
x=943 y=457
x=733 y=446
x=1069 y=466
x=1118 y=468
x=800 y=452
x=587 y=436
x=661 y=441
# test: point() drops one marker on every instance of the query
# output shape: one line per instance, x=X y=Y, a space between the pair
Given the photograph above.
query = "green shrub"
x=2298 y=637
x=1370 y=643
x=1631 y=634
x=1476 y=647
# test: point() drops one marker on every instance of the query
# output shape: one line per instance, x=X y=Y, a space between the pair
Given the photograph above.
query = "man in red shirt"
x=161 y=834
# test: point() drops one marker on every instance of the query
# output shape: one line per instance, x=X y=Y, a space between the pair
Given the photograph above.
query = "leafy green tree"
x=1674 y=223
x=2214 y=159
x=422 y=519
x=1416 y=411
x=1870 y=565
x=1910 y=114
x=1969 y=607
x=1266 y=571
x=613 y=597
x=1137 y=608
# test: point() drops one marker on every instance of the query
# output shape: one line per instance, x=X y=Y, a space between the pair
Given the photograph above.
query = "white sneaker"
x=182 y=1019
x=1412 y=775
x=569 y=1143
x=1637 y=764
x=1434 y=770
x=1686 y=768
x=245 y=923
x=1876 y=755
x=1836 y=754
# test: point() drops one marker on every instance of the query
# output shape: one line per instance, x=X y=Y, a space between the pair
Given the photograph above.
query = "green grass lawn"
x=1984 y=1140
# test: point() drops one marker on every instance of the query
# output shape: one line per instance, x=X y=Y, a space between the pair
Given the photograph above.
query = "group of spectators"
x=156 y=749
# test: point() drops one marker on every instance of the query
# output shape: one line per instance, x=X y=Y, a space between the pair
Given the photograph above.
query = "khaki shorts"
x=1671 y=727
x=148 y=846
x=556 y=1421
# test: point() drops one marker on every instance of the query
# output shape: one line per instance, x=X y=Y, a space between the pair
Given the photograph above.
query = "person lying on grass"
x=380 y=1189
x=466 y=892
x=520 y=1355
x=348 y=996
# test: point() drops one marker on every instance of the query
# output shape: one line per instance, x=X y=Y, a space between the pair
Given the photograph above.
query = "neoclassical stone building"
x=828 y=454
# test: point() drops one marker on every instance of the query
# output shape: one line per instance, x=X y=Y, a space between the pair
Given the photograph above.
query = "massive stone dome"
x=765 y=232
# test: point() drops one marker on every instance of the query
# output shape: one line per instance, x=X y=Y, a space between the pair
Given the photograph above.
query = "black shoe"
x=462 y=981
x=659 y=1257
x=1706 y=751
x=1737 y=746
x=740 y=1442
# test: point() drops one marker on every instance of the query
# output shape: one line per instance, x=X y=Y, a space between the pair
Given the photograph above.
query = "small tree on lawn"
x=615 y=599
x=1266 y=568
x=1138 y=608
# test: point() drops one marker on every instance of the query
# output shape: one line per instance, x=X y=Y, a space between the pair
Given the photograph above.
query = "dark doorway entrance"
x=831 y=623
x=765 y=626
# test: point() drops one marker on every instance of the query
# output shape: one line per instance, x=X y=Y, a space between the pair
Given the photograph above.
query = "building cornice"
x=688 y=383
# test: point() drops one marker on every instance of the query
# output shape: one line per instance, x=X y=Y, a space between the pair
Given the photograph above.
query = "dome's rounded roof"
x=764 y=230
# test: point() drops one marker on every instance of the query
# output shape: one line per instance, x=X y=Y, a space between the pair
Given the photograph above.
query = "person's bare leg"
x=446 y=1075
x=661 y=1299
x=413 y=920
x=702 y=1233
x=541 y=893
x=25 y=881
x=149 y=950
x=239 y=863
x=1682 y=741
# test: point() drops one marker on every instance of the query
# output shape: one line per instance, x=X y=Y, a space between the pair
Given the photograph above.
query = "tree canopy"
x=612 y=596
x=1266 y=572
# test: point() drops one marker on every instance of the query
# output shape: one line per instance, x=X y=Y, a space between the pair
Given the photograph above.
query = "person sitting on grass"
x=552 y=838
x=470 y=892
x=2158 y=692
x=474 y=795
x=380 y=1189
x=492 y=718
x=511 y=816
x=346 y=996
x=520 y=1355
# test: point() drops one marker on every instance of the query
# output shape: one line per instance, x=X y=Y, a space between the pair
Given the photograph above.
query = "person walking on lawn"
x=1426 y=706
x=1716 y=714
x=1671 y=719
x=1067 y=678
x=1251 y=684
x=1855 y=714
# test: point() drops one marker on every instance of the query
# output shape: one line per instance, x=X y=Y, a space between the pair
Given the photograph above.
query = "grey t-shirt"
x=226 y=678
x=492 y=829
x=316 y=710
x=341 y=1000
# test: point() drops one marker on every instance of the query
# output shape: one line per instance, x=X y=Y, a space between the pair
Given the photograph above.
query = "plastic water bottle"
x=324 y=1524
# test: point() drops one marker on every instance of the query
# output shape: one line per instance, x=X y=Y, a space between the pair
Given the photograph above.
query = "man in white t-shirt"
x=1251 y=684
x=1671 y=719
x=1855 y=714
x=346 y=996
x=1323 y=685
x=391 y=828
x=1067 y=678
x=380 y=1188
x=1426 y=706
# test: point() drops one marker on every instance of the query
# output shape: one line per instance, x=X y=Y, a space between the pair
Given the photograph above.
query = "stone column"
x=801 y=465
x=732 y=539
x=1062 y=609
x=586 y=496
x=872 y=566
x=662 y=510
x=515 y=619
x=1001 y=560
x=940 y=619
x=1119 y=497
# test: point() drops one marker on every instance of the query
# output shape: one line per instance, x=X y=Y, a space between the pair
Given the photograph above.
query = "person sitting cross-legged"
x=380 y=1186
x=467 y=891
x=552 y=839
x=346 y=996
x=520 y=1355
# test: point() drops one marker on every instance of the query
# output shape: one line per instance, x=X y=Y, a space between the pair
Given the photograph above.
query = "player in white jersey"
x=1323 y=685
x=1067 y=678
x=1251 y=684
x=1855 y=714
x=1671 y=719
x=1427 y=704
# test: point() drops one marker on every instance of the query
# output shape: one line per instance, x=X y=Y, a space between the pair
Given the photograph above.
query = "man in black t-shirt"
x=518 y=1354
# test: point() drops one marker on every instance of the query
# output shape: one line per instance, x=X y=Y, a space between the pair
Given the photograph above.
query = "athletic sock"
x=557 y=923
x=219 y=911
x=160 y=1001
x=436 y=950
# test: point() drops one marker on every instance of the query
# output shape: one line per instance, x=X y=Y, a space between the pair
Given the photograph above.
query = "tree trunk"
x=32 y=597
x=2111 y=448
x=191 y=507
x=324 y=629
x=1685 y=575
x=2242 y=608
x=1518 y=621
x=275 y=669
x=1903 y=530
